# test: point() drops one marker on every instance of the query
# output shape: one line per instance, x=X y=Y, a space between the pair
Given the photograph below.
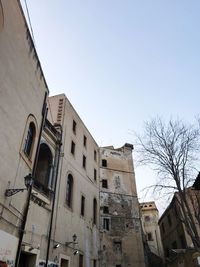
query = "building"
x=175 y=238
x=151 y=230
x=23 y=95
x=59 y=215
x=77 y=205
x=120 y=226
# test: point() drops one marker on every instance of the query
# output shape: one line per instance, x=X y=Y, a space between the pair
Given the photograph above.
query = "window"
x=147 y=218
x=94 y=211
x=74 y=127
x=118 y=265
x=94 y=263
x=84 y=141
x=69 y=190
x=163 y=227
x=95 y=174
x=149 y=236
x=117 y=246
x=82 y=205
x=80 y=260
x=174 y=245
x=84 y=162
x=169 y=220
x=104 y=183
x=73 y=148
x=104 y=162
x=106 y=224
x=183 y=243
x=95 y=155
x=43 y=180
x=105 y=210
x=29 y=142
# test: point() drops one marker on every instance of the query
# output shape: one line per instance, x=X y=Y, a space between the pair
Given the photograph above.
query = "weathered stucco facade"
x=150 y=218
x=120 y=227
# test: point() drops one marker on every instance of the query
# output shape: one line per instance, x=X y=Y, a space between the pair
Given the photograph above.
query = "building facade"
x=175 y=238
x=150 y=218
x=120 y=226
x=64 y=217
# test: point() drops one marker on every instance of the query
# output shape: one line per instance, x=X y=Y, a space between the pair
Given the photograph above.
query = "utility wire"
x=29 y=20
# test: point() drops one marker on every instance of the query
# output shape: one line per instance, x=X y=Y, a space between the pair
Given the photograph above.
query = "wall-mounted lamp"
x=56 y=245
x=74 y=237
x=28 y=181
x=76 y=252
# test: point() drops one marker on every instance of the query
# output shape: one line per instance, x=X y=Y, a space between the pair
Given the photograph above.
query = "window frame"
x=84 y=162
x=29 y=159
x=69 y=200
x=73 y=148
x=82 y=211
x=74 y=126
x=104 y=182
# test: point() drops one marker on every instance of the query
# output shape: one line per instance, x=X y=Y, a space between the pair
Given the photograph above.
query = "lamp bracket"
x=11 y=192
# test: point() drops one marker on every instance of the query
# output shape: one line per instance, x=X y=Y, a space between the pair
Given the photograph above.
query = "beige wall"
x=68 y=220
x=149 y=218
x=22 y=91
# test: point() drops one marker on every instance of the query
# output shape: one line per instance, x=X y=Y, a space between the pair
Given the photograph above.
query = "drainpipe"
x=55 y=178
x=25 y=213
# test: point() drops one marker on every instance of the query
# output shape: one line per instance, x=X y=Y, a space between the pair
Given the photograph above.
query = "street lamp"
x=74 y=237
x=28 y=181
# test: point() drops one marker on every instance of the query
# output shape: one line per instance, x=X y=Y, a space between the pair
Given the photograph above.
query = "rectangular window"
x=104 y=183
x=106 y=224
x=95 y=155
x=169 y=220
x=174 y=245
x=105 y=210
x=149 y=236
x=84 y=162
x=104 y=162
x=80 y=260
x=84 y=141
x=74 y=127
x=95 y=174
x=82 y=205
x=163 y=227
x=73 y=148
x=94 y=263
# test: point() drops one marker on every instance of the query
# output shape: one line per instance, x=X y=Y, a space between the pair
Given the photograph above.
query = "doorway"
x=64 y=263
x=27 y=260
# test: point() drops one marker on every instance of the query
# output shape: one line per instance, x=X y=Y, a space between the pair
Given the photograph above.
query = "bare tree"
x=172 y=149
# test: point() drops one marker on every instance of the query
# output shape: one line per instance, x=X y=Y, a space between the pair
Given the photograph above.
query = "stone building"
x=150 y=218
x=175 y=238
x=120 y=227
x=151 y=230
x=55 y=219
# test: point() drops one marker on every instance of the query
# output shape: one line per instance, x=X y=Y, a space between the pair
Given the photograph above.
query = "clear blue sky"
x=121 y=62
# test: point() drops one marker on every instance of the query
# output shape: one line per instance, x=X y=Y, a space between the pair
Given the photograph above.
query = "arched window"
x=43 y=169
x=69 y=190
x=30 y=138
x=94 y=211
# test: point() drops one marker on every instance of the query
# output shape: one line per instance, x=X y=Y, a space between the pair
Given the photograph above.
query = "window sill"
x=41 y=197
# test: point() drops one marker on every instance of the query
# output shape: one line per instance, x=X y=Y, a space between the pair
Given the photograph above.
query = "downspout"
x=55 y=178
x=25 y=215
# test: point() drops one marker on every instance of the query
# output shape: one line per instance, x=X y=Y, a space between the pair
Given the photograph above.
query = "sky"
x=120 y=63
